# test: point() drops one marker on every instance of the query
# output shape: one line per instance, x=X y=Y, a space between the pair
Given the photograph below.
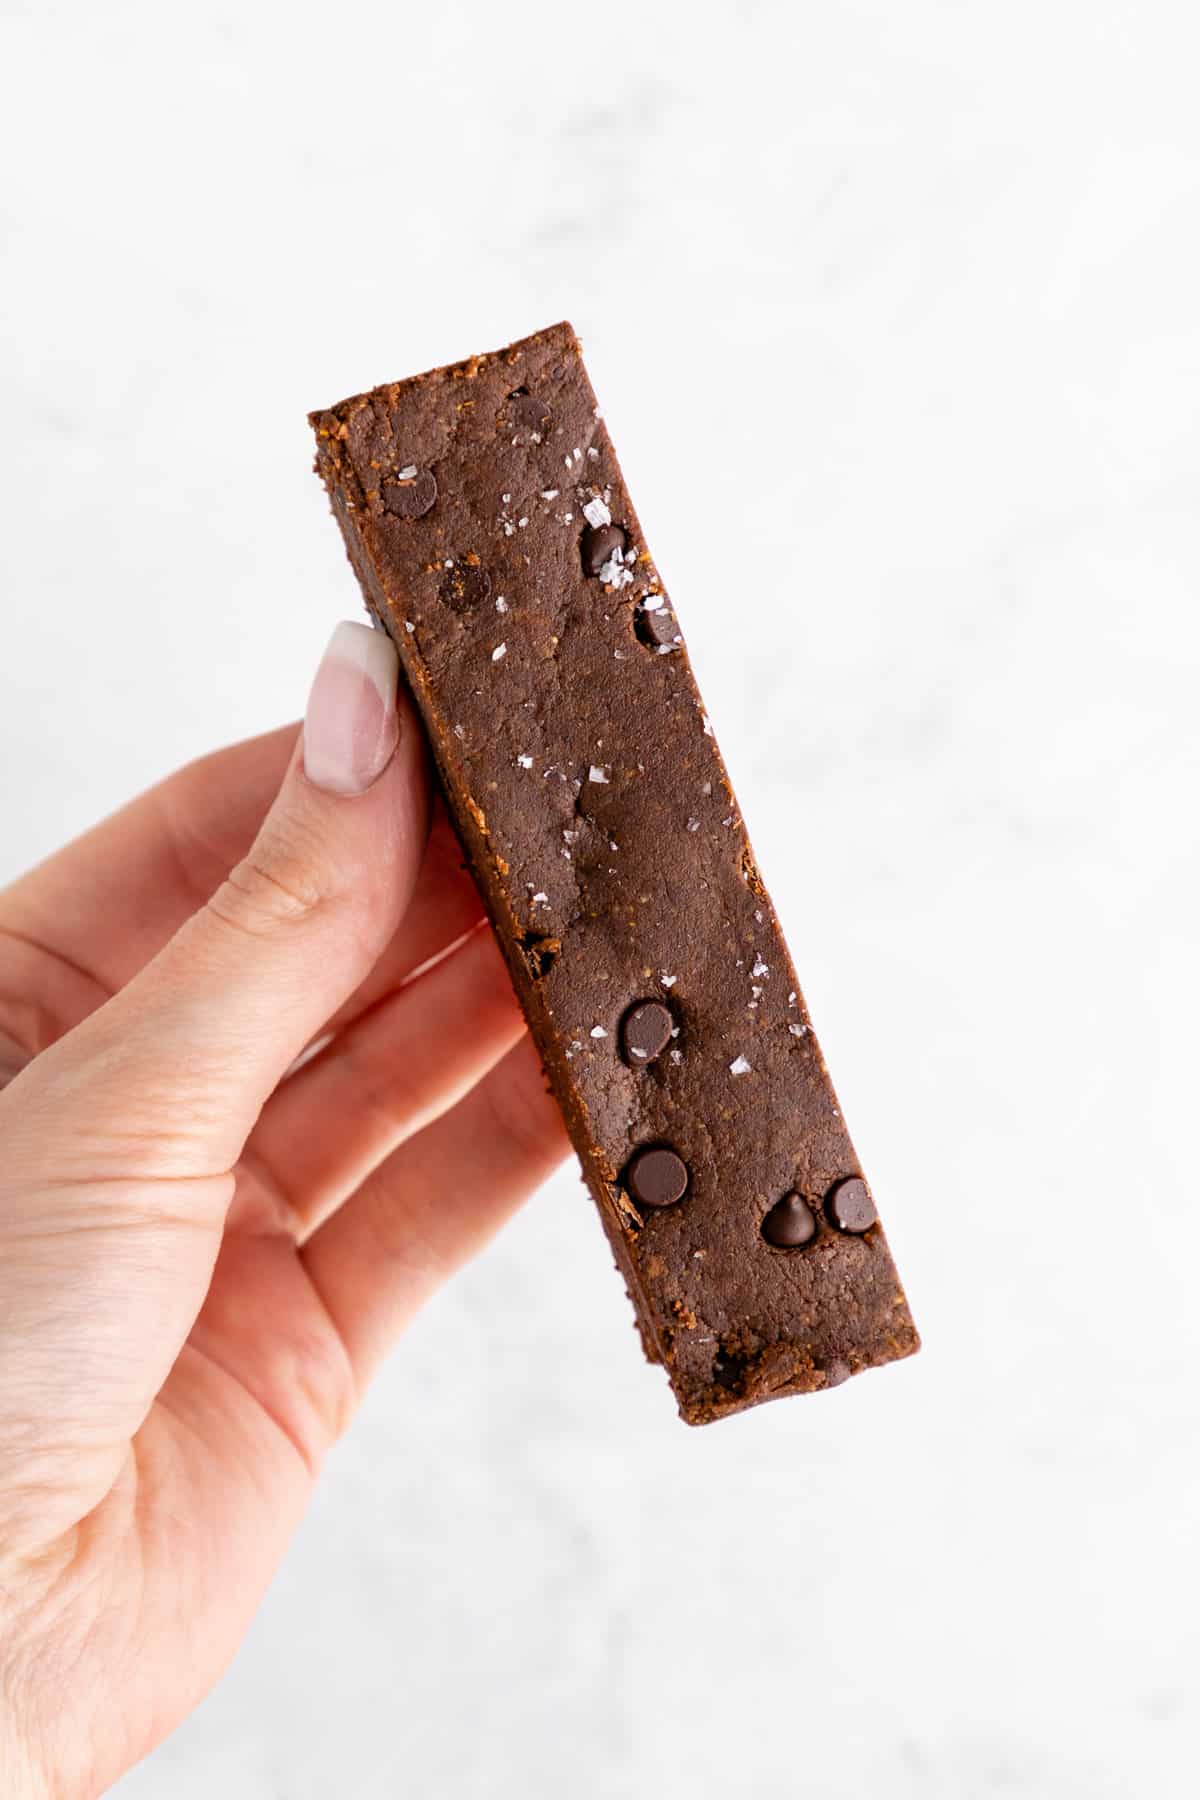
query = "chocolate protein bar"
x=488 y=523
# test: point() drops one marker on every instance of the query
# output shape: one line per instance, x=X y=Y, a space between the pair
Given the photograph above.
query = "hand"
x=204 y=1255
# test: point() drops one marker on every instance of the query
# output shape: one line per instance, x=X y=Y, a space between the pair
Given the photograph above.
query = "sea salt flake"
x=409 y=625
x=792 y=998
x=459 y=732
x=739 y=1066
x=510 y=529
x=760 y=967
x=549 y=493
x=524 y=762
x=596 y=513
x=598 y=775
x=506 y=498
x=708 y=730
x=598 y=1031
x=523 y=522
x=566 y=462
x=614 y=573
x=593 y=453
x=693 y=824
x=677 y=1057
x=500 y=652
x=652 y=603
x=668 y=980
x=797 y=1030
x=540 y=899
x=501 y=603
x=407 y=472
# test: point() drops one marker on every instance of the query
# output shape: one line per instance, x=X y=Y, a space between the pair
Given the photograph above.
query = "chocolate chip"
x=532 y=413
x=411 y=498
x=849 y=1205
x=645 y=1032
x=657 y=1177
x=525 y=412
x=657 y=625
x=790 y=1224
x=466 y=583
x=600 y=543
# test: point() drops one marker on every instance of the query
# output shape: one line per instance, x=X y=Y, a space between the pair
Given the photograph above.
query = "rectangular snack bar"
x=485 y=515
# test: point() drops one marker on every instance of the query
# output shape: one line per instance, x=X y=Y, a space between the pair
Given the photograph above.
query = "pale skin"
x=204 y=1258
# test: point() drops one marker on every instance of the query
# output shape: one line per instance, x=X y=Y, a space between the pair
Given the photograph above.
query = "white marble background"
x=895 y=315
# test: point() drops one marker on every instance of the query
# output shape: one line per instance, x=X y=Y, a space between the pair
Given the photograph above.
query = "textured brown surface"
x=596 y=813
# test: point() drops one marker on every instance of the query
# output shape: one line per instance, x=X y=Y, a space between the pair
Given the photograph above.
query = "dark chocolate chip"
x=790 y=1224
x=466 y=583
x=657 y=1177
x=656 y=625
x=525 y=413
x=850 y=1206
x=412 y=498
x=600 y=542
x=645 y=1032
x=836 y=1372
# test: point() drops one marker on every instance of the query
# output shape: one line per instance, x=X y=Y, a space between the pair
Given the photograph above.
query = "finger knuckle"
x=525 y=1124
x=263 y=894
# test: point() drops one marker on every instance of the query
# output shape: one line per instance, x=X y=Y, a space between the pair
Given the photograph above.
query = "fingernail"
x=351 y=725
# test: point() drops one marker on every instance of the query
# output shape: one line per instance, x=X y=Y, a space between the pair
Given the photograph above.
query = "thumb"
x=177 y=1066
